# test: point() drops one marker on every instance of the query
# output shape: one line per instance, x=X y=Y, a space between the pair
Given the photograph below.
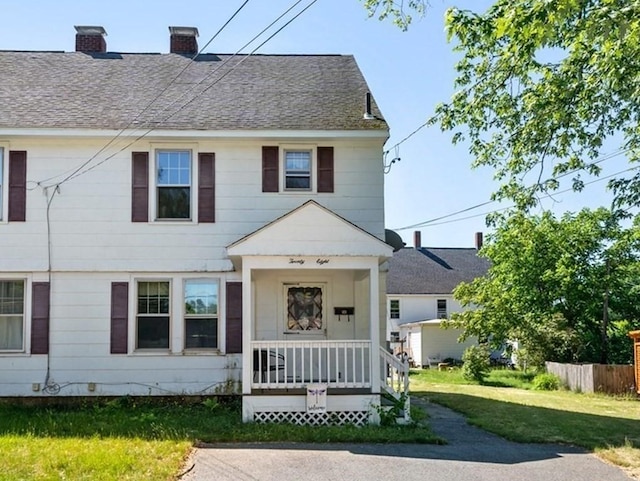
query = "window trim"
x=26 y=315
x=193 y=149
x=185 y=316
x=157 y=186
x=391 y=309
x=313 y=164
x=134 y=339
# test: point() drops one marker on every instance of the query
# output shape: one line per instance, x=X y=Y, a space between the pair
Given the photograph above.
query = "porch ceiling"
x=310 y=230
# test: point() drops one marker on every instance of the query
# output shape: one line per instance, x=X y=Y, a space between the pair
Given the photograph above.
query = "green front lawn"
x=128 y=439
x=607 y=425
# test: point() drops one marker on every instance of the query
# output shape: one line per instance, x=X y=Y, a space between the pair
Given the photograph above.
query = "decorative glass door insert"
x=304 y=309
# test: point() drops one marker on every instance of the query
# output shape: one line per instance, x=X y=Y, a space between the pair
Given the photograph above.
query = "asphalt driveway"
x=471 y=455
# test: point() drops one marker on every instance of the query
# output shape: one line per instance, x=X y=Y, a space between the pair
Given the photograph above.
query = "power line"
x=148 y=106
x=148 y=131
x=408 y=136
x=609 y=156
x=430 y=224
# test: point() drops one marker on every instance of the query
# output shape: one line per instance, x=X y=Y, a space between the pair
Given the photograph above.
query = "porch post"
x=247 y=326
x=374 y=326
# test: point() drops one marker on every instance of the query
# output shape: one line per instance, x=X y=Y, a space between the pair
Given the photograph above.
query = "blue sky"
x=408 y=73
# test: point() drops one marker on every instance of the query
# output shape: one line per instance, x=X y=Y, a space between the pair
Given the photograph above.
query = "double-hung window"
x=297 y=170
x=394 y=309
x=441 y=309
x=173 y=183
x=1 y=181
x=153 y=317
x=201 y=313
x=12 y=315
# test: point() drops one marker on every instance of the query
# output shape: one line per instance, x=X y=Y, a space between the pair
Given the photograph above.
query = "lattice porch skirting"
x=335 y=418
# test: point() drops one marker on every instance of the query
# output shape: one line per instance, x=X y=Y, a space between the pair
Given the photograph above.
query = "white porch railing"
x=395 y=379
x=294 y=364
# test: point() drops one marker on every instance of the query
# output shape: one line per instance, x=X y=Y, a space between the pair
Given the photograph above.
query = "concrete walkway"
x=471 y=455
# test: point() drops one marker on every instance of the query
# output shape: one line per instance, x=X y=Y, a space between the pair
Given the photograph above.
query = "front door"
x=305 y=311
x=305 y=320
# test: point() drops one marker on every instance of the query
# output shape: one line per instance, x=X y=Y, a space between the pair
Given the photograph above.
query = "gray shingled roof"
x=78 y=90
x=433 y=270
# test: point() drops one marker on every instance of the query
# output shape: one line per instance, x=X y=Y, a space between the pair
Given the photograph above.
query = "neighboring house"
x=177 y=226
x=420 y=285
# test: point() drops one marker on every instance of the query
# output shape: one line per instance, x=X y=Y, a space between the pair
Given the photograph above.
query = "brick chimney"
x=417 y=241
x=90 y=39
x=183 y=40
x=478 y=241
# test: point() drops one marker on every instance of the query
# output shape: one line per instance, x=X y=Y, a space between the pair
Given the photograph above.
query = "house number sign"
x=320 y=261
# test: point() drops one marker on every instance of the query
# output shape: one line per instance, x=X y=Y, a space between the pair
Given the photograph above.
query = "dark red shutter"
x=234 y=317
x=119 y=317
x=325 y=169
x=17 y=186
x=270 y=169
x=40 y=318
x=140 y=187
x=206 y=187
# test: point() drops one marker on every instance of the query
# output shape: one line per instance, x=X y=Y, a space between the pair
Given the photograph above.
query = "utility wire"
x=148 y=106
x=609 y=156
x=148 y=131
x=408 y=137
x=433 y=223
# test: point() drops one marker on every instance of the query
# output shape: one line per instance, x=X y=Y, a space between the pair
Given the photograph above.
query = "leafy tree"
x=398 y=12
x=542 y=85
x=556 y=285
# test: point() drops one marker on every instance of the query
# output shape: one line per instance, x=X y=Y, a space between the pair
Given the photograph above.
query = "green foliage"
x=550 y=283
x=398 y=12
x=620 y=345
x=546 y=382
x=476 y=363
x=211 y=403
x=394 y=409
x=541 y=86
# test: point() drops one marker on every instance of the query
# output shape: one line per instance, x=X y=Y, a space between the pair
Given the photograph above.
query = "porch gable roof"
x=310 y=230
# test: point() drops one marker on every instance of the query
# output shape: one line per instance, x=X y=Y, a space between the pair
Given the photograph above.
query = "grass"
x=132 y=439
x=606 y=425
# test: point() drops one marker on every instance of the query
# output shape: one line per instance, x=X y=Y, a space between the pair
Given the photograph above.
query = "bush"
x=476 y=363
x=546 y=382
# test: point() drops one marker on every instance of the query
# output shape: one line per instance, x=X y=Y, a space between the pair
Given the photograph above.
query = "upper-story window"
x=297 y=170
x=1 y=182
x=173 y=177
x=394 y=309
x=12 y=315
x=441 y=309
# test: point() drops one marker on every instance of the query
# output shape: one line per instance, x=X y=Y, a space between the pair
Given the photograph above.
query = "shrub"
x=476 y=363
x=546 y=382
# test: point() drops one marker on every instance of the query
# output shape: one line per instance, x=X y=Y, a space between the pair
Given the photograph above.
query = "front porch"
x=284 y=371
x=312 y=297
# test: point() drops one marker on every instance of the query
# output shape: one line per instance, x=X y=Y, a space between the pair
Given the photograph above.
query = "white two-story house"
x=192 y=224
